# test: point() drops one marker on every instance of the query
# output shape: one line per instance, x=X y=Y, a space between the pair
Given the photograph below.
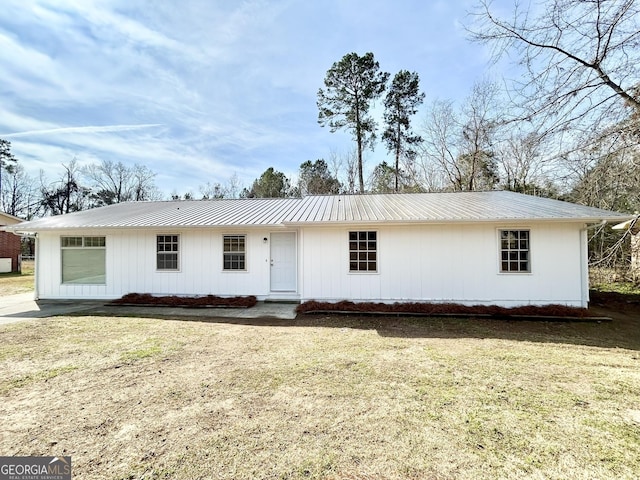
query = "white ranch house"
x=499 y=248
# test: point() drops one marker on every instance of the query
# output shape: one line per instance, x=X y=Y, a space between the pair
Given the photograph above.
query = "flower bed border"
x=207 y=301
x=547 y=312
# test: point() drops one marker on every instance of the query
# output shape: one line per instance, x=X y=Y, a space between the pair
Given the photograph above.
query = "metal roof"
x=443 y=207
x=172 y=214
x=330 y=209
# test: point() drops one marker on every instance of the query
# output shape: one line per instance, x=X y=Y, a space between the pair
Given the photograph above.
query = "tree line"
x=77 y=188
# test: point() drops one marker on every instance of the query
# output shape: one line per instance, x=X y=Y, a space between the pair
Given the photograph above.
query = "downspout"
x=584 y=262
x=36 y=269
x=300 y=259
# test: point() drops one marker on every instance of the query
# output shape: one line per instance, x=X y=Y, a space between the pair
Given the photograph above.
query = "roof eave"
x=18 y=229
x=138 y=227
x=457 y=221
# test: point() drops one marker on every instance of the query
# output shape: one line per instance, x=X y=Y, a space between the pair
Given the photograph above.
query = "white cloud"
x=206 y=88
x=87 y=129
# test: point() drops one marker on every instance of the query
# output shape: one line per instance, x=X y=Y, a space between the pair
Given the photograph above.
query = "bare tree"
x=440 y=138
x=479 y=127
x=233 y=186
x=212 y=191
x=350 y=160
x=20 y=196
x=143 y=187
x=461 y=144
x=230 y=189
x=581 y=60
x=524 y=167
x=110 y=182
x=115 y=182
x=66 y=194
x=611 y=179
x=607 y=172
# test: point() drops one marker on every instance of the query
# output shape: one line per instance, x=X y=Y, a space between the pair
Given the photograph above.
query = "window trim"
x=377 y=252
x=83 y=246
x=499 y=250
x=178 y=253
x=245 y=252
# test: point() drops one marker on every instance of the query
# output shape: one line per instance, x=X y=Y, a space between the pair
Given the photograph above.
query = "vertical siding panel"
x=445 y=263
x=112 y=242
x=132 y=257
x=216 y=262
x=146 y=251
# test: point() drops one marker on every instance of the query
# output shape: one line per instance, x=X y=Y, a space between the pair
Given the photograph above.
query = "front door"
x=283 y=262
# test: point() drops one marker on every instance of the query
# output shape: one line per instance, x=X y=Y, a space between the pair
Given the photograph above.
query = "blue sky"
x=198 y=90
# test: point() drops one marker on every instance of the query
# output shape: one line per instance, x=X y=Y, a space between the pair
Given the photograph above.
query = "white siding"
x=441 y=263
x=131 y=265
x=445 y=263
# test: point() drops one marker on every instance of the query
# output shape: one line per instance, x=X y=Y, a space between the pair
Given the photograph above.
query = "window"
x=514 y=251
x=167 y=249
x=363 y=251
x=234 y=252
x=83 y=260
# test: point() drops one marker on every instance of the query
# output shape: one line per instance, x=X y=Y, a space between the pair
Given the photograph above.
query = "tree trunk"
x=359 y=142
x=397 y=155
x=360 y=175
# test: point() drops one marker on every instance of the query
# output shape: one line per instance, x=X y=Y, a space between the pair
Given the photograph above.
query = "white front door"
x=283 y=262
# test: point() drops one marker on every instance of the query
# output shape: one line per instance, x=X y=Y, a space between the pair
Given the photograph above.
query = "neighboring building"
x=500 y=248
x=9 y=245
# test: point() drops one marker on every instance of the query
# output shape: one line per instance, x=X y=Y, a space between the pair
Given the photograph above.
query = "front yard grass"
x=324 y=397
x=14 y=283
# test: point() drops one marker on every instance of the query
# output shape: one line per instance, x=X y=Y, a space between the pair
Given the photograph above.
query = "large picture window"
x=234 y=252
x=514 y=251
x=83 y=260
x=167 y=252
x=363 y=251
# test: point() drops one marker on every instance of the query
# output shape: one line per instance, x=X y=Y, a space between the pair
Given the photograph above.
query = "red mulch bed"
x=176 y=301
x=447 y=309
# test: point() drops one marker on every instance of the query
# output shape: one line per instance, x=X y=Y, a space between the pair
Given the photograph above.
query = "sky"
x=200 y=90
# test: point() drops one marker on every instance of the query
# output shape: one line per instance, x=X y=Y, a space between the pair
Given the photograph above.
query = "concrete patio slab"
x=19 y=307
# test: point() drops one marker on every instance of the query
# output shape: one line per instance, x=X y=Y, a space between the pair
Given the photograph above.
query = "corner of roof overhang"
x=632 y=224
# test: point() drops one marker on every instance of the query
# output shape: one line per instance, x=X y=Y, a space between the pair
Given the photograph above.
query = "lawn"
x=324 y=397
x=13 y=283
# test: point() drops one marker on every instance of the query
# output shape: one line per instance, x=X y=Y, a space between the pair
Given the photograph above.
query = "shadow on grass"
x=14 y=275
x=622 y=332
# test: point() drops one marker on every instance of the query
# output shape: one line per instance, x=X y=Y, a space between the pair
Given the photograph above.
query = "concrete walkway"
x=22 y=306
x=14 y=308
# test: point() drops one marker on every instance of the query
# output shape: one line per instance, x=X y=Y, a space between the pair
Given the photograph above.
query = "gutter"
x=602 y=223
x=36 y=269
